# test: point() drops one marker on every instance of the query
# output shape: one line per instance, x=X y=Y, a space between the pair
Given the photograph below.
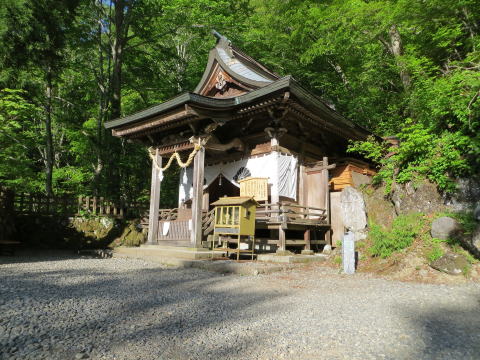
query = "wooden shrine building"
x=245 y=129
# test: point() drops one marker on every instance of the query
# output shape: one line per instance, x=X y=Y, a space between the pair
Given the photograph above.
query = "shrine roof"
x=235 y=200
x=232 y=81
x=286 y=83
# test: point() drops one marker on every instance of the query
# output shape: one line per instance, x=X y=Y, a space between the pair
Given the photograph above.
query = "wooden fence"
x=7 y=227
x=104 y=207
x=39 y=204
x=291 y=213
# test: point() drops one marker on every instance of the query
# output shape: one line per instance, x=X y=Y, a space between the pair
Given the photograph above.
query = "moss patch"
x=77 y=233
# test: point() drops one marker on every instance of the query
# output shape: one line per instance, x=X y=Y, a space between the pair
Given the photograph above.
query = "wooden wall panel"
x=315 y=190
x=179 y=230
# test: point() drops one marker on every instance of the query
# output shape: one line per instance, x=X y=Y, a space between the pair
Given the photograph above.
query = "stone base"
x=197 y=258
x=291 y=259
x=160 y=251
x=307 y=252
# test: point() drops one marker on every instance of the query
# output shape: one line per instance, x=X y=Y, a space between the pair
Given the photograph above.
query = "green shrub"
x=467 y=270
x=434 y=253
x=404 y=230
x=422 y=154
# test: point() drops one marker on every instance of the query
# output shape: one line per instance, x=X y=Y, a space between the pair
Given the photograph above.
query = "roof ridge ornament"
x=217 y=34
x=224 y=42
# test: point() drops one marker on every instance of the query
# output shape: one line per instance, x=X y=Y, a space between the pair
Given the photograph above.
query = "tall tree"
x=39 y=48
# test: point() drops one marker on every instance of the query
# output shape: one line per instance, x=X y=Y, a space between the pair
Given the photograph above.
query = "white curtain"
x=287 y=176
x=268 y=166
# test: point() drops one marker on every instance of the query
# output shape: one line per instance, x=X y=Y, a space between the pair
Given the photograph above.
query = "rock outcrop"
x=467 y=195
x=423 y=198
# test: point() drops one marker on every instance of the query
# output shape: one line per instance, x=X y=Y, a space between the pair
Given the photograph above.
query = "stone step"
x=183 y=253
x=291 y=259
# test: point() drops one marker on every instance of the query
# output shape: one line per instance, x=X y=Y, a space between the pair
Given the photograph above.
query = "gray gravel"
x=80 y=308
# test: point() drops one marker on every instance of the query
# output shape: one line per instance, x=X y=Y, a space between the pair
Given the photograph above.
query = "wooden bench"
x=7 y=247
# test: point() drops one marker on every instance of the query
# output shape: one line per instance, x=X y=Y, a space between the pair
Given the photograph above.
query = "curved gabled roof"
x=239 y=66
x=246 y=83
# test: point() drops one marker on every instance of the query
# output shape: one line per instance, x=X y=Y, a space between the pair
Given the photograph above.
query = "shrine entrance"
x=219 y=188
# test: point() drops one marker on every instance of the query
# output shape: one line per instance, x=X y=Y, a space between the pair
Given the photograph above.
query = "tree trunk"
x=396 y=48
x=102 y=94
x=117 y=57
x=48 y=135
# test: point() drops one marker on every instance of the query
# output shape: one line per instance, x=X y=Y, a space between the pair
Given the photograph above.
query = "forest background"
x=405 y=68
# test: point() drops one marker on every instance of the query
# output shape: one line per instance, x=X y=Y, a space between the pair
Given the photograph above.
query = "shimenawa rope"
x=175 y=155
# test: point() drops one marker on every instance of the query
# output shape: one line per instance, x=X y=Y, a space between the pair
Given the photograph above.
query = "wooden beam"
x=154 y=123
x=197 y=199
x=154 y=198
x=170 y=149
x=321 y=167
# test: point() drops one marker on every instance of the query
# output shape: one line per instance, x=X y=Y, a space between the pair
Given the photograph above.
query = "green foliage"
x=426 y=93
x=434 y=253
x=467 y=270
x=404 y=230
x=439 y=158
x=434 y=250
x=18 y=132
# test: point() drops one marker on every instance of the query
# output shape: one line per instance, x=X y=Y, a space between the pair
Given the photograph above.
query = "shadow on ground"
x=150 y=313
x=445 y=329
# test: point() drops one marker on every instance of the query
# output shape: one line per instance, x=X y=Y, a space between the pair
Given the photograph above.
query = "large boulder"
x=353 y=213
x=445 y=228
x=453 y=264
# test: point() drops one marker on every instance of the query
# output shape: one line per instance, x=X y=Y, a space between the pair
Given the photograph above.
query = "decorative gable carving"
x=220 y=84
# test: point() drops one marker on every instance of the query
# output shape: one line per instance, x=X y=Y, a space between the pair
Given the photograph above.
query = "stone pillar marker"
x=154 y=198
x=348 y=253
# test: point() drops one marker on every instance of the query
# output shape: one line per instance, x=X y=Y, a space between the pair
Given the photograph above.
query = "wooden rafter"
x=155 y=123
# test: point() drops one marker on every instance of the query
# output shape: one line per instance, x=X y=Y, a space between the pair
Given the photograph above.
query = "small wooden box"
x=235 y=216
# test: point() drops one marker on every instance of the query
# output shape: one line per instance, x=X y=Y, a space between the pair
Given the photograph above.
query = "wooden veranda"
x=278 y=217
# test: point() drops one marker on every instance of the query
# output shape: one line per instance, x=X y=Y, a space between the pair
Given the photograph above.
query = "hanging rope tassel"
x=176 y=156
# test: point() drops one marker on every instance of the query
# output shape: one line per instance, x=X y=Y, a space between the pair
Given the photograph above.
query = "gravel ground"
x=72 y=308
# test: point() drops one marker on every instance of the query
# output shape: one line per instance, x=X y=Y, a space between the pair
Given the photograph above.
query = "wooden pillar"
x=197 y=199
x=306 y=237
x=154 y=198
x=328 y=233
x=274 y=195
x=303 y=192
